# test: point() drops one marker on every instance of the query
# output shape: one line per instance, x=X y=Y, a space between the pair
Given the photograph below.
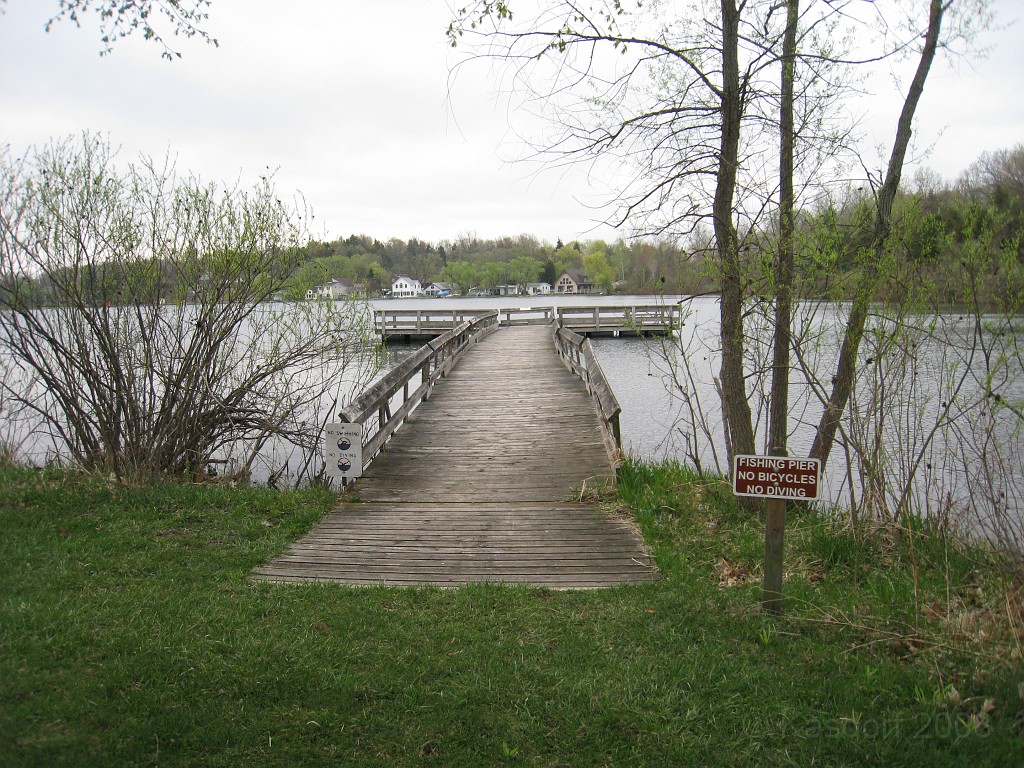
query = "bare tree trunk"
x=846 y=367
x=735 y=408
x=778 y=423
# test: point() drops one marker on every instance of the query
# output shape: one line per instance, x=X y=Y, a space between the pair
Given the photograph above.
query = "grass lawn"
x=130 y=635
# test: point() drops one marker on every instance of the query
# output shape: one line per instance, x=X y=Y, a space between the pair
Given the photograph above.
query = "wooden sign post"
x=775 y=478
x=774 y=530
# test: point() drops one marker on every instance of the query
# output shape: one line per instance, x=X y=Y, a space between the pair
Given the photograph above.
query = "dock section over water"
x=628 y=320
x=491 y=479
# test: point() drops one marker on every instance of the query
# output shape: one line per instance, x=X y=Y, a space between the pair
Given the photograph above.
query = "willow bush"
x=137 y=309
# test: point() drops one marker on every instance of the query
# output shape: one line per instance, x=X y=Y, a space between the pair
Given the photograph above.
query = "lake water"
x=899 y=400
x=898 y=441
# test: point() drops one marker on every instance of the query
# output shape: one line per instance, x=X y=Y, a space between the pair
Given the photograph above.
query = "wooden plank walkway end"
x=483 y=484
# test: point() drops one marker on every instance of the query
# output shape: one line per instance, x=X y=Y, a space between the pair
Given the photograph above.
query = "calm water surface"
x=645 y=374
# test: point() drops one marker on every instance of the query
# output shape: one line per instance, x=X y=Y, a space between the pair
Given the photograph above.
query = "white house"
x=507 y=290
x=538 y=289
x=404 y=287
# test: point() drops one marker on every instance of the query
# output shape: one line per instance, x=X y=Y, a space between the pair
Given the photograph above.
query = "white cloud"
x=350 y=102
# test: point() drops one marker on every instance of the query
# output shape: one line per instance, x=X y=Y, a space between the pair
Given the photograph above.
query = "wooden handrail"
x=373 y=407
x=640 y=318
x=662 y=318
x=578 y=354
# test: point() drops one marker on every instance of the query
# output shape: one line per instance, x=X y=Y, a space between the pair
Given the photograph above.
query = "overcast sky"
x=352 y=104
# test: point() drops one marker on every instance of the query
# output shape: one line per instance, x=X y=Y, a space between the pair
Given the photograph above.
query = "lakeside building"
x=538 y=289
x=438 y=290
x=336 y=288
x=405 y=287
x=574 y=281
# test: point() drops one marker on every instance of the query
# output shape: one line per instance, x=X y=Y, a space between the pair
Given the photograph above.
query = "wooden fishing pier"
x=604 y=320
x=510 y=434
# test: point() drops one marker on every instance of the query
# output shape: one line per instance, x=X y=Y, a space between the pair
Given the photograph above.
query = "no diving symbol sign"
x=343 y=450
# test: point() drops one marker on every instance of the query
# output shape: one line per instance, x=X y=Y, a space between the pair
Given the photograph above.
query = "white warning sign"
x=343 y=450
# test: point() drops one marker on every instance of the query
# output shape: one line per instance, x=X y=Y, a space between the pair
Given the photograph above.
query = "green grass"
x=130 y=635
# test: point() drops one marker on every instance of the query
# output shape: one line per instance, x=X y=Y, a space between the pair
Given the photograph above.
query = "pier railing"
x=384 y=406
x=578 y=354
x=633 y=319
x=638 y=319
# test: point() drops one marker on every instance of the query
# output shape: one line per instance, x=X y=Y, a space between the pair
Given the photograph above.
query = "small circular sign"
x=344 y=464
x=344 y=443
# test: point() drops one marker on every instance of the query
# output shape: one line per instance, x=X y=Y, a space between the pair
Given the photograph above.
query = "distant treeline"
x=938 y=228
x=958 y=243
x=470 y=262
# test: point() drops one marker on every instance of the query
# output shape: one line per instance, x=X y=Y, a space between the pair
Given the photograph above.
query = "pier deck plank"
x=487 y=481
